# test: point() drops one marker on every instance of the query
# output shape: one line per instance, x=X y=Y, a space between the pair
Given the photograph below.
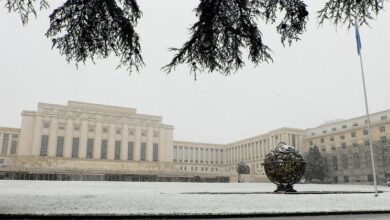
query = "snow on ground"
x=137 y=198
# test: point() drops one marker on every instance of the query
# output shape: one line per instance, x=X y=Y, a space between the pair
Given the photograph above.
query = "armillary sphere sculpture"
x=284 y=166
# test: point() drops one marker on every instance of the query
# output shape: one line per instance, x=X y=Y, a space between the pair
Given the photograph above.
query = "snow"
x=153 y=198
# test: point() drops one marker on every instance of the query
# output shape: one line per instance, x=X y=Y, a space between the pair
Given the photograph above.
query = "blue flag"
x=357 y=35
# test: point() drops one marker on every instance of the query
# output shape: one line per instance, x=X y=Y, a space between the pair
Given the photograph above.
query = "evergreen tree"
x=242 y=168
x=315 y=165
x=88 y=29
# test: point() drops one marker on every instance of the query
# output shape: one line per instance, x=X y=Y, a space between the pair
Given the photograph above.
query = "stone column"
x=149 y=145
x=98 y=140
x=68 y=138
x=111 y=141
x=137 y=143
x=52 y=148
x=125 y=140
x=37 y=135
x=83 y=139
x=164 y=147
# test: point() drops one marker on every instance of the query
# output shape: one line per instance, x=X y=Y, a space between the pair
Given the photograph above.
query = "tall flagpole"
x=365 y=100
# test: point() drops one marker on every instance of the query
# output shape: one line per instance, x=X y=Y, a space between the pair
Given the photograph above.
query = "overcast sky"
x=315 y=80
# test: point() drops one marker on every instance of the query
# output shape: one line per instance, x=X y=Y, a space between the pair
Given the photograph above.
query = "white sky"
x=315 y=80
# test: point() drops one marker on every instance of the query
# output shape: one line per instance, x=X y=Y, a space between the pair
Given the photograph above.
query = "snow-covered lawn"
x=134 y=198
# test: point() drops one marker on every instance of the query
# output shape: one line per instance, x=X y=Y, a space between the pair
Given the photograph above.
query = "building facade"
x=83 y=141
x=345 y=145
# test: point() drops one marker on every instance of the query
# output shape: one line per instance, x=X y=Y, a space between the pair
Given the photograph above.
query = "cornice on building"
x=9 y=130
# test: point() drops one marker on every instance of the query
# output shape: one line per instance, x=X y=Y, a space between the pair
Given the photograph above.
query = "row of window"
x=383 y=140
x=91 y=128
x=197 y=169
x=197 y=155
x=355 y=124
x=356 y=164
x=370 y=178
x=353 y=135
x=90 y=148
x=6 y=141
x=250 y=151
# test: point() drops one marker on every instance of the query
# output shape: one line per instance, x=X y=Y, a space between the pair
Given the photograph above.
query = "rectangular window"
x=91 y=128
x=90 y=148
x=344 y=160
x=344 y=126
x=334 y=129
x=117 y=155
x=368 y=159
x=383 y=139
x=333 y=147
x=46 y=124
x=355 y=124
x=143 y=151
x=201 y=155
x=311 y=142
x=365 y=132
x=221 y=156
x=324 y=131
x=44 y=145
x=207 y=156
x=143 y=133
x=14 y=144
x=60 y=146
x=343 y=145
x=118 y=131
x=105 y=130
x=180 y=154
x=331 y=138
x=212 y=155
x=353 y=134
x=367 y=142
x=103 y=153
x=382 y=129
x=4 y=149
x=346 y=179
x=76 y=127
x=75 y=147
x=196 y=155
x=356 y=161
x=383 y=118
x=334 y=162
x=130 y=150
x=185 y=154
x=191 y=159
x=322 y=140
x=342 y=137
x=155 y=134
x=355 y=144
x=174 y=153
x=155 y=152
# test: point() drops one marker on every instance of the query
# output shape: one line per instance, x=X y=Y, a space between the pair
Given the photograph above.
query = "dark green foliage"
x=85 y=30
x=25 y=7
x=89 y=29
x=345 y=11
x=315 y=165
x=225 y=28
x=243 y=168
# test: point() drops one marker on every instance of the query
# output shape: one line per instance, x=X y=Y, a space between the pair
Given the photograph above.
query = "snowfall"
x=156 y=198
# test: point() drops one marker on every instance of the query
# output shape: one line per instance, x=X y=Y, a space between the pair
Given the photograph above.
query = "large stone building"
x=345 y=144
x=98 y=142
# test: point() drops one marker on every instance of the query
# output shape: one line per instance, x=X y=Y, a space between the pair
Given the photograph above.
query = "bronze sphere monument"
x=284 y=166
